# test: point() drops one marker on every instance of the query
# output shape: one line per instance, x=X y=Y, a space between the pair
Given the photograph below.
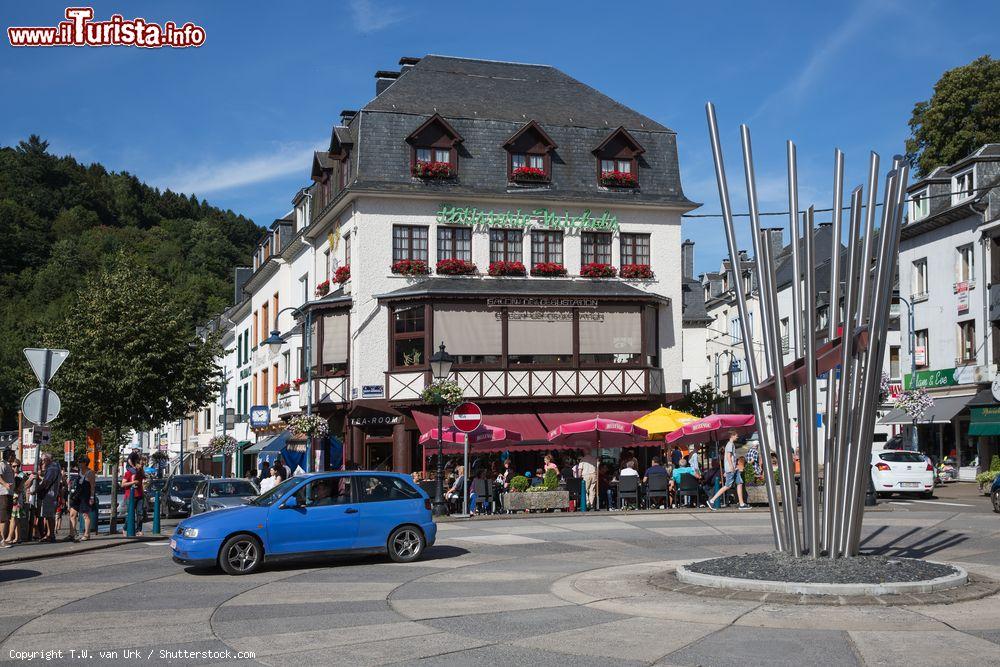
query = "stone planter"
x=757 y=495
x=541 y=500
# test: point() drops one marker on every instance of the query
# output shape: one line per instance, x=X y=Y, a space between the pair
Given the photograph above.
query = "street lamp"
x=274 y=342
x=734 y=367
x=441 y=363
x=912 y=344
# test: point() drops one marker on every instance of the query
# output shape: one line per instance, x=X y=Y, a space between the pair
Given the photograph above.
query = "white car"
x=902 y=471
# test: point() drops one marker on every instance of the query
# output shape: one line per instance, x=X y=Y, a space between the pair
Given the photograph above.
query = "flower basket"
x=548 y=269
x=455 y=267
x=298 y=382
x=323 y=288
x=222 y=444
x=411 y=267
x=915 y=402
x=529 y=175
x=433 y=171
x=636 y=272
x=618 y=179
x=283 y=388
x=507 y=269
x=442 y=392
x=311 y=426
x=598 y=270
x=540 y=500
x=342 y=275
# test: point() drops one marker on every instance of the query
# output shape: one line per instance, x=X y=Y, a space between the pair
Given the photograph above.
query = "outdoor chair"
x=690 y=487
x=657 y=486
x=628 y=489
x=484 y=495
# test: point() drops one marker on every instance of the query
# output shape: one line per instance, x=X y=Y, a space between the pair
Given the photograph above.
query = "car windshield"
x=103 y=487
x=184 y=483
x=237 y=487
x=274 y=495
x=902 y=457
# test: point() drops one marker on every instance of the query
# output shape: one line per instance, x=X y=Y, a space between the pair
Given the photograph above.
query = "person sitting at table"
x=604 y=484
x=629 y=470
x=676 y=455
x=654 y=469
x=675 y=482
x=454 y=494
x=550 y=464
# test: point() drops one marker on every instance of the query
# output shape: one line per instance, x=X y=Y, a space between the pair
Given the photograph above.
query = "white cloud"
x=369 y=18
x=235 y=172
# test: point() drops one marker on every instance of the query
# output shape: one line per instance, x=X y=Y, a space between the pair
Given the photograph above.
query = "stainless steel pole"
x=796 y=319
x=309 y=383
x=864 y=292
x=807 y=421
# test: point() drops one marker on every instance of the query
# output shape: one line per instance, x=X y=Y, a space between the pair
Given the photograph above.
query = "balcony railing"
x=327 y=390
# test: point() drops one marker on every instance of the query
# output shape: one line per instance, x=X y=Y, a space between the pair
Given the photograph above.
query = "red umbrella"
x=710 y=428
x=596 y=432
x=451 y=435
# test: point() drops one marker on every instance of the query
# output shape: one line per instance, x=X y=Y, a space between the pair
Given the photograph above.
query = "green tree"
x=134 y=360
x=703 y=401
x=962 y=115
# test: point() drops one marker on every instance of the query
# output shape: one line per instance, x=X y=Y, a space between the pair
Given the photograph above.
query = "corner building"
x=471 y=203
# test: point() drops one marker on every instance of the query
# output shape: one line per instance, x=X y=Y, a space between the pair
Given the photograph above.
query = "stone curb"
x=96 y=546
x=955 y=580
x=604 y=514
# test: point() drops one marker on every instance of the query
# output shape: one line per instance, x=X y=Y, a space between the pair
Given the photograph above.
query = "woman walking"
x=81 y=502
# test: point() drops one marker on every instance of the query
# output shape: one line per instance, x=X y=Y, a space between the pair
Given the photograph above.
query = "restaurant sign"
x=944 y=377
x=540 y=217
x=539 y=302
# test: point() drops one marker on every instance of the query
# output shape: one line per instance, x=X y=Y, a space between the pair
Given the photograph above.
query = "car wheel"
x=406 y=544
x=241 y=554
x=996 y=500
x=927 y=494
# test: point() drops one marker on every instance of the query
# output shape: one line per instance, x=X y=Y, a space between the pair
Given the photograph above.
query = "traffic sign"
x=45 y=362
x=41 y=406
x=467 y=417
x=69 y=450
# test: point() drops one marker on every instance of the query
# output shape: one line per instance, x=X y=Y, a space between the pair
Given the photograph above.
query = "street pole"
x=307 y=344
x=180 y=467
x=913 y=368
x=440 y=508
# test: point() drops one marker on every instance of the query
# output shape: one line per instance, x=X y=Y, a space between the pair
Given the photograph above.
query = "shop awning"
x=943 y=411
x=269 y=443
x=985 y=421
x=525 y=423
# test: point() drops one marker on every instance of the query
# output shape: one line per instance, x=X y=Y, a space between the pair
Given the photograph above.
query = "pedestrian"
x=81 y=498
x=286 y=472
x=733 y=477
x=6 y=494
x=586 y=470
x=675 y=456
x=61 y=497
x=17 y=506
x=272 y=481
x=132 y=489
x=265 y=472
x=47 y=490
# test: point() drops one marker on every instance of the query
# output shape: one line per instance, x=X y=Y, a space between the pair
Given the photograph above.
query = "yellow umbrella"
x=663 y=420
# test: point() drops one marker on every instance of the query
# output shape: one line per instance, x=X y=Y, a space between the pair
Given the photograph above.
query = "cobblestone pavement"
x=552 y=590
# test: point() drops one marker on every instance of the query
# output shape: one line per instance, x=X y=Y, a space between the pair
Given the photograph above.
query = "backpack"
x=74 y=489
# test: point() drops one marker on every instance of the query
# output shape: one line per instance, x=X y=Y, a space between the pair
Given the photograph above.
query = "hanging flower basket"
x=618 y=179
x=411 y=267
x=433 y=171
x=298 y=382
x=507 y=269
x=323 y=288
x=598 y=270
x=637 y=272
x=529 y=175
x=442 y=392
x=283 y=388
x=311 y=426
x=548 y=269
x=915 y=402
x=343 y=274
x=222 y=444
x=455 y=267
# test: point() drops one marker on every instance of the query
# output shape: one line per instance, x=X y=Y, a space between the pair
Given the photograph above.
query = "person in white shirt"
x=694 y=459
x=629 y=471
x=586 y=470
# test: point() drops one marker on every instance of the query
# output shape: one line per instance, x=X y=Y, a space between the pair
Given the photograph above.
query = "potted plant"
x=636 y=272
x=455 y=267
x=529 y=175
x=433 y=171
x=411 y=267
x=298 y=382
x=283 y=388
x=618 y=179
x=507 y=269
x=598 y=270
x=545 y=496
x=323 y=288
x=311 y=426
x=342 y=274
x=985 y=479
x=442 y=392
x=548 y=269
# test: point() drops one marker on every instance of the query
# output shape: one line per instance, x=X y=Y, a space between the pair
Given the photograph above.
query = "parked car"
x=154 y=484
x=218 y=494
x=179 y=490
x=312 y=515
x=103 y=492
x=901 y=471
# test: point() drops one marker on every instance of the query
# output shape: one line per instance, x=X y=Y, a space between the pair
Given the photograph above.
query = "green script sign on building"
x=943 y=377
x=542 y=217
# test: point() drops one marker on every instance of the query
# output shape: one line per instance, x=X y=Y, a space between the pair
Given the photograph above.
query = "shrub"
x=750 y=477
x=551 y=480
x=636 y=272
x=507 y=269
x=519 y=484
x=411 y=267
x=455 y=267
x=598 y=270
x=986 y=478
x=343 y=274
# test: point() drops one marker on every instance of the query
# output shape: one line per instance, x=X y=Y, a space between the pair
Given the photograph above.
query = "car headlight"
x=191 y=532
x=176 y=499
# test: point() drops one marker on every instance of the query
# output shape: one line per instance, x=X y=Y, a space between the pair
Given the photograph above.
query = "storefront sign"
x=945 y=377
x=532 y=302
x=372 y=391
x=377 y=420
x=540 y=217
x=962 y=289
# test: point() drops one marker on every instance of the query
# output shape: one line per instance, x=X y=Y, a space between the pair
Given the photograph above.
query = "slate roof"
x=693 y=302
x=822 y=247
x=547 y=287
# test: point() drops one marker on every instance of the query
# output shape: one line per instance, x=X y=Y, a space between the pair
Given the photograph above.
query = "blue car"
x=312 y=515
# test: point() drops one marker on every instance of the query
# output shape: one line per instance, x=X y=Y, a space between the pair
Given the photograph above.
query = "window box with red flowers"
x=411 y=267
x=507 y=269
x=283 y=388
x=636 y=272
x=548 y=269
x=433 y=171
x=323 y=288
x=342 y=275
x=598 y=270
x=619 y=179
x=529 y=175
x=455 y=267
x=298 y=382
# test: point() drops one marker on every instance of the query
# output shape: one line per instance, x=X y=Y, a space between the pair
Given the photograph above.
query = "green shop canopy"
x=985 y=421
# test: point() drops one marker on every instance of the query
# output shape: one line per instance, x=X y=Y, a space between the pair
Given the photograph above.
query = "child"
x=17 y=508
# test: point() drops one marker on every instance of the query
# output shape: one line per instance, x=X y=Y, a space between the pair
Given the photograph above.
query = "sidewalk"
x=37 y=550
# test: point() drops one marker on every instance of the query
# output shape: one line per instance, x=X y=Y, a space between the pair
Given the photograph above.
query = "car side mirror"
x=201 y=496
x=290 y=504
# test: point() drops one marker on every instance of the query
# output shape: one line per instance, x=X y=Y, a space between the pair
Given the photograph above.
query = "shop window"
x=967 y=342
x=473 y=336
x=546 y=246
x=539 y=337
x=409 y=242
x=611 y=336
x=505 y=245
x=596 y=248
x=408 y=337
x=454 y=243
x=635 y=249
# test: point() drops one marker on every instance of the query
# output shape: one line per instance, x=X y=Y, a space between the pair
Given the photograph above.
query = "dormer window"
x=617 y=160
x=340 y=155
x=529 y=154
x=963 y=186
x=434 y=149
x=920 y=205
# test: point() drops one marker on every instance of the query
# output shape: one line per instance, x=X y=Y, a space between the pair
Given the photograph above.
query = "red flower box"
x=298 y=382
x=342 y=275
x=411 y=267
x=283 y=388
x=598 y=270
x=323 y=288
x=507 y=269
x=529 y=174
x=619 y=179
x=636 y=272
x=433 y=170
x=455 y=267
x=548 y=269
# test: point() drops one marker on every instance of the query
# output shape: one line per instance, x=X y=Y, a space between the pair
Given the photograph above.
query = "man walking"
x=732 y=476
x=46 y=492
x=6 y=494
x=586 y=470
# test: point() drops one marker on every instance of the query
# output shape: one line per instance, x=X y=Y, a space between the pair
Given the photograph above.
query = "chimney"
x=774 y=236
x=406 y=63
x=242 y=274
x=687 y=260
x=384 y=79
x=346 y=116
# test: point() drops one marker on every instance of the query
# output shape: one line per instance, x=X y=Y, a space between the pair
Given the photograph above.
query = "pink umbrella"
x=596 y=432
x=451 y=435
x=711 y=428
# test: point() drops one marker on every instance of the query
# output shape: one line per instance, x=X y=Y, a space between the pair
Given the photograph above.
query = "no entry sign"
x=467 y=417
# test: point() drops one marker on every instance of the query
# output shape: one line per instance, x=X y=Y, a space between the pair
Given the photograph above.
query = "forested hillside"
x=61 y=220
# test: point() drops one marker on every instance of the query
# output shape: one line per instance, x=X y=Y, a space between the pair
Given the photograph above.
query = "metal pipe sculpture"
x=848 y=351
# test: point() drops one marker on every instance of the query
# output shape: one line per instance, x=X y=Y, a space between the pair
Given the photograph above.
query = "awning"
x=942 y=412
x=527 y=423
x=985 y=421
x=554 y=420
x=269 y=443
x=983 y=398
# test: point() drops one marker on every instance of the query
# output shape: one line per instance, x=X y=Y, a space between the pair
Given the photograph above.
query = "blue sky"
x=235 y=120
